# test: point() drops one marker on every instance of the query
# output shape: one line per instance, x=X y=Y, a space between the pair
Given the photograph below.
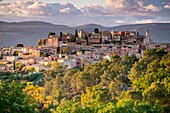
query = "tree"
x=86 y=37
x=69 y=107
x=28 y=69
x=158 y=92
x=19 y=45
x=61 y=35
x=51 y=33
x=19 y=66
x=96 y=30
x=114 y=89
x=39 y=42
x=76 y=34
x=49 y=75
x=67 y=79
x=106 y=79
x=95 y=95
x=57 y=68
x=42 y=42
x=132 y=94
x=150 y=68
x=12 y=100
x=83 y=81
x=40 y=101
x=15 y=53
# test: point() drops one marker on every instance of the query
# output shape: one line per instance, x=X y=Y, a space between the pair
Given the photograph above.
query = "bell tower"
x=147 y=40
x=148 y=36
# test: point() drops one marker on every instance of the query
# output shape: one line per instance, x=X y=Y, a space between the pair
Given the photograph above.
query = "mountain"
x=159 y=32
x=29 y=32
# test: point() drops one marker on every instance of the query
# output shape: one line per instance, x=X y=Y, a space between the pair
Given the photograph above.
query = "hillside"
x=29 y=32
x=119 y=85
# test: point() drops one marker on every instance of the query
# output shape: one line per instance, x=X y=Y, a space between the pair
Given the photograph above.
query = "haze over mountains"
x=29 y=32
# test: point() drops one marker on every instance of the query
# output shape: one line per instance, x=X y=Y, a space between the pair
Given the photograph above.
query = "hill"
x=29 y=32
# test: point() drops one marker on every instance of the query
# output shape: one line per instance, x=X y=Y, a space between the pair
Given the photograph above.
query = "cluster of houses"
x=77 y=50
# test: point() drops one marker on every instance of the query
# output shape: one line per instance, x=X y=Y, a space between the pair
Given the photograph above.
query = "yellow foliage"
x=55 y=102
x=46 y=106
x=29 y=83
x=37 y=93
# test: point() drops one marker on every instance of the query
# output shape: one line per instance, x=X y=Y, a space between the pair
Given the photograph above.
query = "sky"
x=80 y=12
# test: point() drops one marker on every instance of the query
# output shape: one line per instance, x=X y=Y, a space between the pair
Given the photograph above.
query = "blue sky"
x=78 y=12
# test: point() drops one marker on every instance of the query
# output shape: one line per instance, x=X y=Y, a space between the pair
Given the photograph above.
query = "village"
x=76 y=51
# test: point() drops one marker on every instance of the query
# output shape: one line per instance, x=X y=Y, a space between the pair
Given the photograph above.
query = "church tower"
x=81 y=34
x=148 y=36
x=148 y=40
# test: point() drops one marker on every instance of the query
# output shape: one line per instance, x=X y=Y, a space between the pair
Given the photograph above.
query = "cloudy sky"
x=79 y=12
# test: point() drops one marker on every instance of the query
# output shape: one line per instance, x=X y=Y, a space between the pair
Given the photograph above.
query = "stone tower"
x=148 y=36
x=147 y=39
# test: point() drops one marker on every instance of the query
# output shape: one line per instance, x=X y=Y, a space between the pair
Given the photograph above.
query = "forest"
x=122 y=85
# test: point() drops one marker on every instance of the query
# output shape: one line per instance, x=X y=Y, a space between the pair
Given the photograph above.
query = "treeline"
x=124 y=84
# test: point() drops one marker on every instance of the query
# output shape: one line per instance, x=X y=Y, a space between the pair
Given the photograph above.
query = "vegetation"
x=76 y=33
x=15 y=53
x=96 y=30
x=123 y=84
x=51 y=33
x=42 y=42
x=19 y=45
x=12 y=100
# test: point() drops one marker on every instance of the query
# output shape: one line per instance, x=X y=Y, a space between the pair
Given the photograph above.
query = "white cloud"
x=167 y=6
x=145 y=21
x=131 y=7
x=140 y=6
x=140 y=3
x=151 y=7
x=120 y=22
x=65 y=10
x=35 y=8
x=95 y=10
x=116 y=4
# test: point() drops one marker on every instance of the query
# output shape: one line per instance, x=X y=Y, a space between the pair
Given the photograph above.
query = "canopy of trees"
x=123 y=84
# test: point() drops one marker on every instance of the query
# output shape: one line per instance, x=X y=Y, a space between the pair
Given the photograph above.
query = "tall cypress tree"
x=76 y=36
x=14 y=64
x=61 y=34
x=76 y=33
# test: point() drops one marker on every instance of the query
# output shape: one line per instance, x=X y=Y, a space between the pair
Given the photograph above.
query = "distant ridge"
x=30 y=23
x=28 y=32
x=92 y=25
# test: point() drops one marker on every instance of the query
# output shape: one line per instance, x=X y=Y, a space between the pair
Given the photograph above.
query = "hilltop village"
x=76 y=51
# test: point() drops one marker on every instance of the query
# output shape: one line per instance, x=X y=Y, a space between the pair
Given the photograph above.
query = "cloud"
x=120 y=22
x=114 y=12
x=69 y=9
x=113 y=8
x=95 y=10
x=145 y=21
x=131 y=6
x=36 y=8
x=148 y=8
x=116 y=4
x=167 y=6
